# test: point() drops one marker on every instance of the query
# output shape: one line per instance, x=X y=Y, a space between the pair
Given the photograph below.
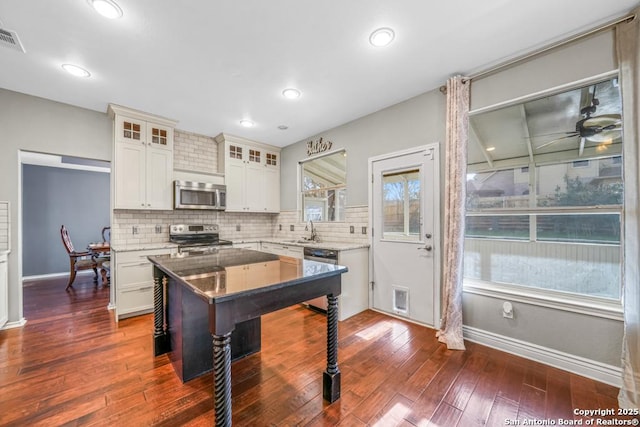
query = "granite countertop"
x=336 y=246
x=143 y=246
x=221 y=274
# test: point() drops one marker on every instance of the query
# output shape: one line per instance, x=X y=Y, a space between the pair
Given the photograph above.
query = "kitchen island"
x=207 y=307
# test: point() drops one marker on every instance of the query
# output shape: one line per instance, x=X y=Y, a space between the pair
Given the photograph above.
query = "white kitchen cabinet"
x=354 y=297
x=142 y=170
x=252 y=174
x=284 y=250
x=4 y=289
x=249 y=276
x=133 y=281
x=248 y=245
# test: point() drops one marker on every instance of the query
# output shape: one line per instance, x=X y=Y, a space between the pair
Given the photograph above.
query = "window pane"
x=583 y=228
x=498 y=189
x=576 y=268
x=324 y=187
x=498 y=226
x=593 y=182
x=401 y=205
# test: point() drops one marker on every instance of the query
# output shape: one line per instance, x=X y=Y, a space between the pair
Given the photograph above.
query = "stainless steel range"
x=197 y=237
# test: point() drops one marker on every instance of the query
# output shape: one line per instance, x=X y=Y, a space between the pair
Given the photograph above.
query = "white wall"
x=417 y=121
x=35 y=124
x=421 y=120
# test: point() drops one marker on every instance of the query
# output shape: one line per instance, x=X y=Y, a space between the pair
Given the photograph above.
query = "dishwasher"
x=321 y=255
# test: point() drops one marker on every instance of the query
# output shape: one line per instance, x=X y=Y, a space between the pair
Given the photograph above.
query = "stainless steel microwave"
x=199 y=195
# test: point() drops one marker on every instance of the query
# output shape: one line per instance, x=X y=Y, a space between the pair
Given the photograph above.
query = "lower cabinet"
x=4 y=289
x=284 y=250
x=133 y=281
x=248 y=245
x=355 y=282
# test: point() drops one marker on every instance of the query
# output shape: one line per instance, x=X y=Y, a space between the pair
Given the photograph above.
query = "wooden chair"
x=78 y=260
x=106 y=257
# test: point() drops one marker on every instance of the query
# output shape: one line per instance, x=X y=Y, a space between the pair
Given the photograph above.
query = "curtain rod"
x=627 y=18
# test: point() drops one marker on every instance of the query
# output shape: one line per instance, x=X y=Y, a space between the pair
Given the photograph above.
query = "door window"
x=401 y=205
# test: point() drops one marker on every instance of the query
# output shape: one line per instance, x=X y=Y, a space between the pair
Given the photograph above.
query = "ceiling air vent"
x=9 y=38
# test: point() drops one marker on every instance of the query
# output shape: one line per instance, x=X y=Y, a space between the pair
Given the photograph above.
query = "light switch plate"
x=352 y=229
x=364 y=230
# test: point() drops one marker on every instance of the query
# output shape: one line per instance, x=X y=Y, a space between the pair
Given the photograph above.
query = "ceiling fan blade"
x=550 y=134
x=556 y=140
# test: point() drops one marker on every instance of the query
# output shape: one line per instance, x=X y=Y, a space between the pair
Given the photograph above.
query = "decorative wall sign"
x=318 y=146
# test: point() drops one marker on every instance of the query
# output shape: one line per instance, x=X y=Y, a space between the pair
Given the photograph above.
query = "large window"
x=324 y=187
x=545 y=194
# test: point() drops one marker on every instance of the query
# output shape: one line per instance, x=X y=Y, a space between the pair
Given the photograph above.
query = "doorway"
x=405 y=217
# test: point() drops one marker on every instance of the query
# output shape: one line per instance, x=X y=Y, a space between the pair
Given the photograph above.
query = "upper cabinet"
x=142 y=169
x=252 y=174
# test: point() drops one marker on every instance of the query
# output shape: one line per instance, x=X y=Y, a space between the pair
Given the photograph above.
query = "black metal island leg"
x=331 y=377
x=222 y=379
x=160 y=336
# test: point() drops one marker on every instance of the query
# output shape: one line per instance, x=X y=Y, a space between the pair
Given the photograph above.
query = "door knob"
x=427 y=248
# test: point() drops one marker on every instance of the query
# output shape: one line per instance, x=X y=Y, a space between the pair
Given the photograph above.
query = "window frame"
x=610 y=308
x=339 y=211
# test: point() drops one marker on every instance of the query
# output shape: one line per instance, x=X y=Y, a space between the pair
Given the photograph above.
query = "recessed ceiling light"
x=246 y=123
x=75 y=70
x=107 y=8
x=283 y=127
x=381 y=37
x=291 y=93
x=491 y=148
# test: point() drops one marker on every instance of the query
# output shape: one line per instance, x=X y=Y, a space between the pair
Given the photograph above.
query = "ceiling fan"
x=602 y=128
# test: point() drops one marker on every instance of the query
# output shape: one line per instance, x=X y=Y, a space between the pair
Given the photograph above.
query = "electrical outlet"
x=279 y=227
x=134 y=229
x=237 y=227
x=364 y=230
x=158 y=229
x=292 y=227
x=352 y=229
x=507 y=310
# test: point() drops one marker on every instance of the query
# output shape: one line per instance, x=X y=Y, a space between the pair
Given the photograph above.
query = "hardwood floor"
x=73 y=365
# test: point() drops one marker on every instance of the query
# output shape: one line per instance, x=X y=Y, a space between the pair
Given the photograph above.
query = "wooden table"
x=233 y=288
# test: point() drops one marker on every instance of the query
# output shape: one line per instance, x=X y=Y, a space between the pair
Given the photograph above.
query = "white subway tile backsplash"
x=193 y=152
x=5 y=226
x=252 y=225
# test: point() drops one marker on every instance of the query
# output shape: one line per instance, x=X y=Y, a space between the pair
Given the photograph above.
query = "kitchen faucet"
x=314 y=234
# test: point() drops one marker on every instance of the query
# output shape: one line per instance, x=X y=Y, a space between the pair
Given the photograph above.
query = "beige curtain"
x=450 y=331
x=628 y=49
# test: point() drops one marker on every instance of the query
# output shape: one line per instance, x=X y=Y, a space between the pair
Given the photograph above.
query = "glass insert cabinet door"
x=401 y=205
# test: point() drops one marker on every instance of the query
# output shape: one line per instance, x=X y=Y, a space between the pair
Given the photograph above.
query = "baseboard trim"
x=17 y=324
x=52 y=276
x=598 y=371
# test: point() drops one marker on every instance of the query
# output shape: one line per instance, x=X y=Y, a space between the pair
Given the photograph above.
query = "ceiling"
x=209 y=64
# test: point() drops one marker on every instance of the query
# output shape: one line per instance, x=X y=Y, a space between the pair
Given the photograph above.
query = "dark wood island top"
x=221 y=295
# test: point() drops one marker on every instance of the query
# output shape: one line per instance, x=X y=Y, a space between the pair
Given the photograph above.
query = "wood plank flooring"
x=72 y=365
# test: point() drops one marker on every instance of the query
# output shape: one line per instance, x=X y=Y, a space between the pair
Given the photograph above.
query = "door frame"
x=433 y=150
